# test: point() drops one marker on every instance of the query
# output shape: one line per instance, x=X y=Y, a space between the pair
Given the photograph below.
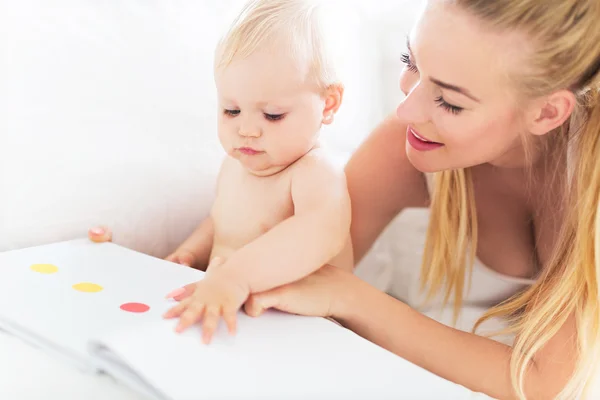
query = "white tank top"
x=487 y=288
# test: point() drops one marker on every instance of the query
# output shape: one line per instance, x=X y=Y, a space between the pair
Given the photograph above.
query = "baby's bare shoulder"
x=319 y=162
x=318 y=176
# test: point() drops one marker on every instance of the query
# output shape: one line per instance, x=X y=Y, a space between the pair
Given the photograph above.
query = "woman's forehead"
x=452 y=46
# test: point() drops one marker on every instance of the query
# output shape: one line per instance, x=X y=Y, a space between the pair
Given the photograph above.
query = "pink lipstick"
x=419 y=142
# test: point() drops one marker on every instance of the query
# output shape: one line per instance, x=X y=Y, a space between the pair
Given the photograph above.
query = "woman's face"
x=460 y=107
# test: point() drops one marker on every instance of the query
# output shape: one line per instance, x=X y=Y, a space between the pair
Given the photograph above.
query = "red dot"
x=135 y=307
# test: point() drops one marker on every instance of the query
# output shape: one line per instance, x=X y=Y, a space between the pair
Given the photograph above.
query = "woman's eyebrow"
x=454 y=88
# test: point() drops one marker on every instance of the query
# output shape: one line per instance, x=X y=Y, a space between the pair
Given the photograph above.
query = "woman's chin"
x=422 y=162
x=429 y=162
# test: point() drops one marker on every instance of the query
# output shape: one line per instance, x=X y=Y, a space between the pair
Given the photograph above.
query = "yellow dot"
x=87 y=287
x=44 y=268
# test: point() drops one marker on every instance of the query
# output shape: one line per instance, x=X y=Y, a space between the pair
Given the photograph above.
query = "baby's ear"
x=333 y=100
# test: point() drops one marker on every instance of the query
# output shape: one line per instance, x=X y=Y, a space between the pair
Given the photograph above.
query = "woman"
x=500 y=136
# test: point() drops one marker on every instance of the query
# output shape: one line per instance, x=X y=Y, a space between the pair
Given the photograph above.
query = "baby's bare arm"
x=199 y=244
x=301 y=244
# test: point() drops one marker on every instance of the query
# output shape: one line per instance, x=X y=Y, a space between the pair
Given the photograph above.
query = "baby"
x=282 y=208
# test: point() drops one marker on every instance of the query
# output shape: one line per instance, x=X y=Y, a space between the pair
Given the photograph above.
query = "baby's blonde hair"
x=296 y=26
x=565 y=39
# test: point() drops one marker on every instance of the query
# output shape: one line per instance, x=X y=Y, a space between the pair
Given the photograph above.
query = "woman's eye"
x=231 y=113
x=447 y=106
x=405 y=58
x=274 y=117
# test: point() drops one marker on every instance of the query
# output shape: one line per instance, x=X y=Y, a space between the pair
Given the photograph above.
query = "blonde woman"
x=500 y=136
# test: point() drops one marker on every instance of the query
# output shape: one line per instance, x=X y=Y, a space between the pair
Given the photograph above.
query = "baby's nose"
x=249 y=131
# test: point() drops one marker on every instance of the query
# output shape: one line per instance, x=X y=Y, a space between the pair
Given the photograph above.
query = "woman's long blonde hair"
x=565 y=40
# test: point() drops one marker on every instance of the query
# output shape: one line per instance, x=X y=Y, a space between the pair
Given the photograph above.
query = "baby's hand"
x=100 y=234
x=218 y=295
x=183 y=257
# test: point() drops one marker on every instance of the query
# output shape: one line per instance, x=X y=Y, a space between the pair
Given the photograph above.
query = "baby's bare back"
x=247 y=206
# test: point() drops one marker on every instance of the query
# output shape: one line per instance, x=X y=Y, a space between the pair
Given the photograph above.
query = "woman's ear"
x=333 y=100
x=551 y=112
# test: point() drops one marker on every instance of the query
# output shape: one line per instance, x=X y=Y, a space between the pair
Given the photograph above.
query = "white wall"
x=107 y=112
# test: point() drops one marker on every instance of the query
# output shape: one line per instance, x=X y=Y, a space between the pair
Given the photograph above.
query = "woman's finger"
x=253 y=307
x=100 y=234
x=260 y=302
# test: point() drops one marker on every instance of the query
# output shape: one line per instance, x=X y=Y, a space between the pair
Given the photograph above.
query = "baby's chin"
x=266 y=163
x=265 y=172
x=261 y=168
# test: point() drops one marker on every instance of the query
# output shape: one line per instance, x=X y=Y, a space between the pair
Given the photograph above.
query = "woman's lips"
x=419 y=142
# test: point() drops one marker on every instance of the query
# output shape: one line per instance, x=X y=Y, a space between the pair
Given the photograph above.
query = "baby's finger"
x=185 y=260
x=210 y=323
x=230 y=317
x=190 y=316
x=176 y=311
x=182 y=292
x=100 y=234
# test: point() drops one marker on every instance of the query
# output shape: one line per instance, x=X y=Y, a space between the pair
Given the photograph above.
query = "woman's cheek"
x=451 y=130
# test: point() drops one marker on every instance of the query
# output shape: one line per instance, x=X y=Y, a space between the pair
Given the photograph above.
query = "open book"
x=100 y=306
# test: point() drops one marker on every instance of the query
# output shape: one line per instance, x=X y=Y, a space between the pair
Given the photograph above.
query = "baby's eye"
x=274 y=117
x=231 y=113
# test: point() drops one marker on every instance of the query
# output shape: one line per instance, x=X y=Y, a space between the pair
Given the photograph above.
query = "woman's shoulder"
x=384 y=150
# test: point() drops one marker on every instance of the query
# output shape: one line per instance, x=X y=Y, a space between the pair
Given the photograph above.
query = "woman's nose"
x=415 y=107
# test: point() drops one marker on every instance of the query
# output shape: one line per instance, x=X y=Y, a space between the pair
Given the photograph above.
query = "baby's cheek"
x=225 y=137
x=287 y=151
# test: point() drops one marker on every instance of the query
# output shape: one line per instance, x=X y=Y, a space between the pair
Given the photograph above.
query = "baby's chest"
x=244 y=209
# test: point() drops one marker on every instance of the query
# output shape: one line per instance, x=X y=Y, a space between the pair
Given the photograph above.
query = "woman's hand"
x=320 y=294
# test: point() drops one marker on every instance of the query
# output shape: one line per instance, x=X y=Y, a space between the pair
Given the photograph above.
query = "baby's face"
x=270 y=113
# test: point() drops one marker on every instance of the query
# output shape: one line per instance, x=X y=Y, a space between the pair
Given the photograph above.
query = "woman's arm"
x=477 y=363
x=480 y=364
x=381 y=182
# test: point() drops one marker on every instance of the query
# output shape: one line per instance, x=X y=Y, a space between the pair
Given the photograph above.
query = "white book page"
x=275 y=356
x=62 y=294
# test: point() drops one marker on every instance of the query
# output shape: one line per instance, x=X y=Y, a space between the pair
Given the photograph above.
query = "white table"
x=27 y=373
